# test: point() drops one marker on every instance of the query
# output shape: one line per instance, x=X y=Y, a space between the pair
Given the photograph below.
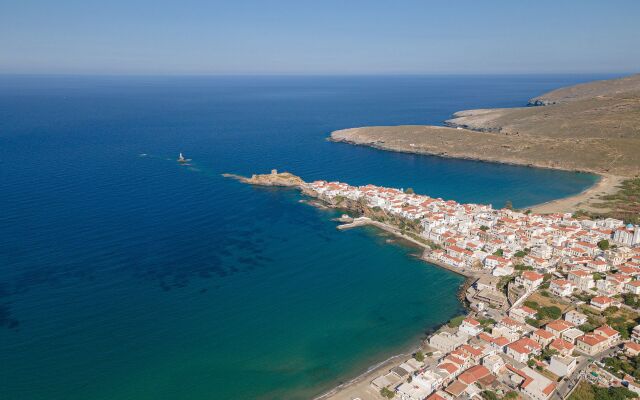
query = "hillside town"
x=553 y=299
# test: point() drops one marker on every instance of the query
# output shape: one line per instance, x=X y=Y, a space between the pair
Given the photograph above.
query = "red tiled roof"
x=560 y=325
x=633 y=346
x=456 y=388
x=561 y=345
x=592 y=339
x=602 y=300
x=532 y=276
x=606 y=331
x=450 y=368
x=474 y=374
x=544 y=334
x=525 y=346
x=471 y=321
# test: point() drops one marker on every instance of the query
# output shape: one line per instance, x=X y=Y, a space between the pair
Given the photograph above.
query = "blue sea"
x=124 y=275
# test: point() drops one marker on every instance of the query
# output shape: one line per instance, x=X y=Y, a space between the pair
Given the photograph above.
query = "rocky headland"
x=275 y=178
x=592 y=127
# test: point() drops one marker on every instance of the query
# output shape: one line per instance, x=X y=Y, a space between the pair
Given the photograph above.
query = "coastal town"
x=553 y=300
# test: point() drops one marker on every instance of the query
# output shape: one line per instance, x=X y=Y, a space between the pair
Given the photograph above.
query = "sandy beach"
x=607 y=184
x=360 y=386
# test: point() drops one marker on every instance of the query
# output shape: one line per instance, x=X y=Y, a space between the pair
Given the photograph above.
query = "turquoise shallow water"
x=130 y=277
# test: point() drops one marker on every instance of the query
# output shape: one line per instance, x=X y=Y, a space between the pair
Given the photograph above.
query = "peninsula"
x=554 y=300
x=592 y=127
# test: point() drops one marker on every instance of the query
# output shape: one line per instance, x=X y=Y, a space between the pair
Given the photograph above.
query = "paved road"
x=565 y=386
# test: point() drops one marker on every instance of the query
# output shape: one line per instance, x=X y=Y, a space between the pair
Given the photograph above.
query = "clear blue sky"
x=319 y=36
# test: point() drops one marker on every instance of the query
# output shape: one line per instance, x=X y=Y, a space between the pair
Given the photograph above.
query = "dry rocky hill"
x=590 y=127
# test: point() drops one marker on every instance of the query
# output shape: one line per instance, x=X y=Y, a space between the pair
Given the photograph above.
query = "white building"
x=563 y=366
x=576 y=318
x=494 y=363
x=470 y=327
x=561 y=287
x=628 y=235
x=447 y=342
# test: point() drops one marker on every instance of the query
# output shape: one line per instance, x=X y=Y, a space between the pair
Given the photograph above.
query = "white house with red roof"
x=522 y=313
x=561 y=287
x=562 y=346
x=521 y=350
x=612 y=335
x=470 y=326
x=542 y=336
x=558 y=326
x=536 y=262
x=598 y=265
x=632 y=287
x=583 y=280
x=592 y=343
x=529 y=280
x=496 y=343
x=603 y=302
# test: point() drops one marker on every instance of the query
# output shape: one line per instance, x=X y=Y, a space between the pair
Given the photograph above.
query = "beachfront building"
x=470 y=327
x=474 y=235
x=447 y=342
x=420 y=386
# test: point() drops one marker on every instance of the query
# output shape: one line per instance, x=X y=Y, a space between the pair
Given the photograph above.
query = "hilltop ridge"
x=592 y=127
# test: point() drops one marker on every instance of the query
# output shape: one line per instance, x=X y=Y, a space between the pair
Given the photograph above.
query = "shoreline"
x=606 y=184
x=467 y=157
x=362 y=382
x=360 y=385
x=569 y=128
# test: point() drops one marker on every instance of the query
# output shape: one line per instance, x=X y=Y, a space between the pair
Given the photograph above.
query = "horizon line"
x=305 y=74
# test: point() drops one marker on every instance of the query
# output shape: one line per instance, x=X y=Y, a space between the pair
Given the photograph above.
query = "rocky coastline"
x=593 y=127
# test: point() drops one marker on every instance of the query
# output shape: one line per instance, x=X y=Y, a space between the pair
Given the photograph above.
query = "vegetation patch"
x=624 y=204
x=585 y=391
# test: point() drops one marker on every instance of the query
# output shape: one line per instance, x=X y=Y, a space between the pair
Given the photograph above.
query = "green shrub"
x=387 y=393
x=455 y=322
